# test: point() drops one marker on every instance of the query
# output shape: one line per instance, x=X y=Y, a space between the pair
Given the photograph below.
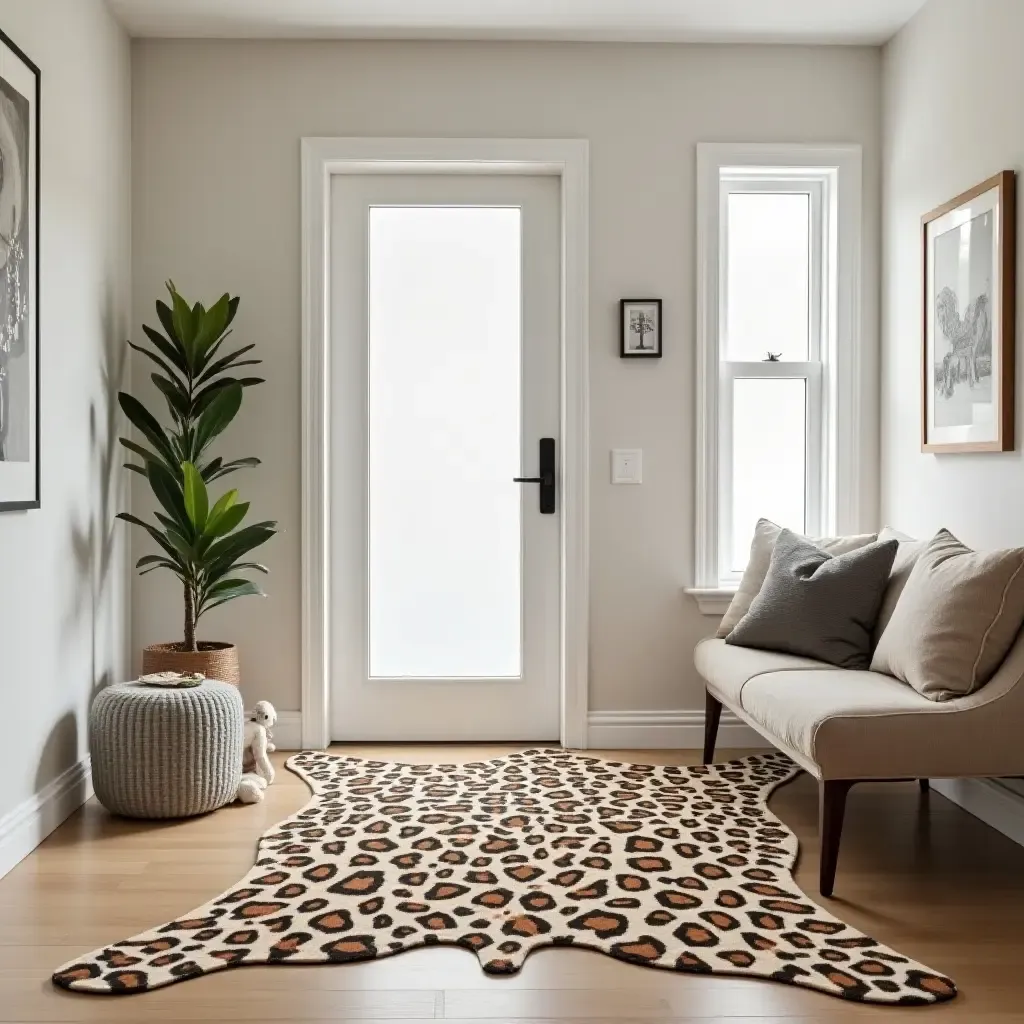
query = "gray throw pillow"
x=818 y=605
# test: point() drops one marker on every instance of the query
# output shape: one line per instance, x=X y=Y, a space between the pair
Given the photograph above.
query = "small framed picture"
x=641 y=328
x=967 y=364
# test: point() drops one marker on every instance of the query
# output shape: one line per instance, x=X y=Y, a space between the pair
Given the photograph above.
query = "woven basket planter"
x=213 y=660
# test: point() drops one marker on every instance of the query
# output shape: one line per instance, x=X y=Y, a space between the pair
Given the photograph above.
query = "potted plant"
x=201 y=541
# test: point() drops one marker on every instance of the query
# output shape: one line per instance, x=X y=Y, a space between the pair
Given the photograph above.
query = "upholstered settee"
x=846 y=726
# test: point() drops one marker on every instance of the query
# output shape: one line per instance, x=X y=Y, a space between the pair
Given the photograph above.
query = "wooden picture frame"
x=633 y=343
x=968 y=339
x=20 y=156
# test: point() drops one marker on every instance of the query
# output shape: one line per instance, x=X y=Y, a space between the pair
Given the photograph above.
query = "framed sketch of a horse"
x=967 y=365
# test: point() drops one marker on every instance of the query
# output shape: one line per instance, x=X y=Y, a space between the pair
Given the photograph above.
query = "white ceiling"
x=775 y=21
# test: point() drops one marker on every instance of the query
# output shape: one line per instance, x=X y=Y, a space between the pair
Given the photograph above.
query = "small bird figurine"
x=773 y=357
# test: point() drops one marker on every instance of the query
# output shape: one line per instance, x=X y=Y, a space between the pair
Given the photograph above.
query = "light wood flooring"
x=915 y=871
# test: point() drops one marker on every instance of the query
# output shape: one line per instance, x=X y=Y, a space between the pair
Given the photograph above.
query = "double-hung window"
x=778 y=291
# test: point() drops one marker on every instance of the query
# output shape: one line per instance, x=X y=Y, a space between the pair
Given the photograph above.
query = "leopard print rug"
x=679 y=868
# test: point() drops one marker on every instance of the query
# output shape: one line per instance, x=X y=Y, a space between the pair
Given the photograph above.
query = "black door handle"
x=546 y=458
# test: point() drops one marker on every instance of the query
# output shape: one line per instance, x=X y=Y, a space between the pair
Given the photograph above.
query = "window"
x=777 y=349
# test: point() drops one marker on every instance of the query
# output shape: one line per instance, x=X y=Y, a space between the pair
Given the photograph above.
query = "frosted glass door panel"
x=445 y=536
x=769 y=438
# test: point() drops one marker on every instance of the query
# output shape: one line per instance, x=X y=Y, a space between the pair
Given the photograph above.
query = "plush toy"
x=250 y=789
x=259 y=741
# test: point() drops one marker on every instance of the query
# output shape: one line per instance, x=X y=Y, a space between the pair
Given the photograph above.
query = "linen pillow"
x=818 y=605
x=906 y=555
x=766 y=533
x=958 y=615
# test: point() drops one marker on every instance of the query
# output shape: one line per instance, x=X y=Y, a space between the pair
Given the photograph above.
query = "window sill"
x=711 y=600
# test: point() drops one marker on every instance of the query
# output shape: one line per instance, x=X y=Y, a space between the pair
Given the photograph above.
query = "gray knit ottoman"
x=166 y=753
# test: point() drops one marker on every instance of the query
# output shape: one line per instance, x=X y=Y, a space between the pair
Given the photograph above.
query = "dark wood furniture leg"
x=831 y=809
x=712 y=716
x=924 y=784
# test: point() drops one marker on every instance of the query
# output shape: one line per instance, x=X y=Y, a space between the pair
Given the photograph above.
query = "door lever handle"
x=546 y=452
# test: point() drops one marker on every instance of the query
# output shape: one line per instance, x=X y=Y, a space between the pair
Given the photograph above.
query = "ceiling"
x=770 y=21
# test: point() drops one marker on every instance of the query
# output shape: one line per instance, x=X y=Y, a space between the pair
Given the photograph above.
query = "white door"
x=444 y=380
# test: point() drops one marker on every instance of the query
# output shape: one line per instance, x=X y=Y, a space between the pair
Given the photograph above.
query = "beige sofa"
x=845 y=727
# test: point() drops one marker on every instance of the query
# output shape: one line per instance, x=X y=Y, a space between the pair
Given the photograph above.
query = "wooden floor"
x=916 y=872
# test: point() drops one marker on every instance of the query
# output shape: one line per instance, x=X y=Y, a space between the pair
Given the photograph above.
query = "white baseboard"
x=664 y=730
x=288 y=730
x=24 y=828
x=989 y=800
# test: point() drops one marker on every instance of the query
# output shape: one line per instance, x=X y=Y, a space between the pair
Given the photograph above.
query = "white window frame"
x=832 y=175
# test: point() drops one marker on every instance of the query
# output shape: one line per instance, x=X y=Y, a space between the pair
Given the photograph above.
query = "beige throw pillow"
x=766 y=533
x=958 y=615
x=907 y=555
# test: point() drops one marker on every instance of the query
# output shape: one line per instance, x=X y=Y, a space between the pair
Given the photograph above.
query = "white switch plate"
x=627 y=466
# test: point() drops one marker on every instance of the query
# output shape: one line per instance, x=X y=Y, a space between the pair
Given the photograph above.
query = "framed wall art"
x=968 y=351
x=19 y=279
x=640 y=328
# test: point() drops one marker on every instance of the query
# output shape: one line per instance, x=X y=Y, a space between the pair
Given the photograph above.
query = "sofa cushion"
x=818 y=605
x=825 y=714
x=726 y=669
x=955 y=620
x=766 y=533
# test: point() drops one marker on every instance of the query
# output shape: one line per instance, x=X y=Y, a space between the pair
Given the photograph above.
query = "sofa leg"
x=924 y=784
x=831 y=809
x=712 y=716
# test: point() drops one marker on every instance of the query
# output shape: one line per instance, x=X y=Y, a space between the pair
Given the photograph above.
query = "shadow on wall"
x=93 y=527
x=60 y=751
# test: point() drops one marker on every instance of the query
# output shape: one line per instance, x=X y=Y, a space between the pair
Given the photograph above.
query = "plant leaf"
x=229 y=467
x=144 y=453
x=171 y=352
x=204 y=397
x=163 y=311
x=160 y=538
x=197 y=501
x=228 y=590
x=225 y=361
x=177 y=397
x=229 y=549
x=227 y=520
x=169 y=493
x=184 y=323
x=215 y=418
x=156 y=359
x=214 y=323
x=142 y=418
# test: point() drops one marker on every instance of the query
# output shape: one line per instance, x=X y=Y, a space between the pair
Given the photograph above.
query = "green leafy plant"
x=205 y=545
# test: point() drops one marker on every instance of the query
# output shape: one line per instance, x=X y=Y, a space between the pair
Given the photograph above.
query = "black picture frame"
x=30 y=501
x=628 y=348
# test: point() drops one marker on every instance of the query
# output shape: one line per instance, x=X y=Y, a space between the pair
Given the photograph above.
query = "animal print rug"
x=679 y=868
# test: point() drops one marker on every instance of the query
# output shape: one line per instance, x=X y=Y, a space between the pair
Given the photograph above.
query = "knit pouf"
x=166 y=753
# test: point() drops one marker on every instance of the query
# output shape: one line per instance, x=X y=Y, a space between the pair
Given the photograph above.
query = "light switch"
x=627 y=466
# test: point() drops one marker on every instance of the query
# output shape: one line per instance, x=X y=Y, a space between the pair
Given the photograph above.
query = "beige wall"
x=216 y=205
x=954 y=79
x=63 y=596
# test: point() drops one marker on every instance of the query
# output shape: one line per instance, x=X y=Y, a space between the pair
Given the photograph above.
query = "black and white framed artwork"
x=19 y=279
x=640 y=328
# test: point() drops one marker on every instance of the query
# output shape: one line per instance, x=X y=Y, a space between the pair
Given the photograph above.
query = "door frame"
x=567 y=159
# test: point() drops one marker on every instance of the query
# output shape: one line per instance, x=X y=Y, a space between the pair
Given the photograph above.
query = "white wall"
x=953 y=82
x=954 y=79
x=64 y=582
x=216 y=205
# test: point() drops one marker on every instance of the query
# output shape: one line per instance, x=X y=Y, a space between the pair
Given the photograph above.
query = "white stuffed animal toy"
x=259 y=742
x=250 y=789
